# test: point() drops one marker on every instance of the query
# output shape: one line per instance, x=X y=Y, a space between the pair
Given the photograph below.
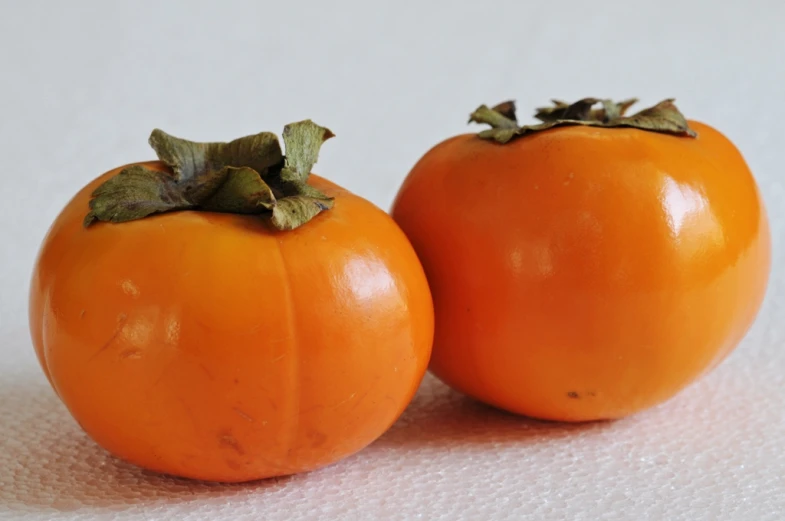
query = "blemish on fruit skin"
x=316 y=438
x=575 y=395
x=242 y=414
x=131 y=354
x=230 y=442
x=206 y=371
x=121 y=319
x=233 y=464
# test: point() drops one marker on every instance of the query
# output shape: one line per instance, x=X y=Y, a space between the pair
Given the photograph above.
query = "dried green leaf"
x=190 y=159
x=134 y=193
x=663 y=117
x=299 y=188
x=578 y=111
x=302 y=141
x=625 y=105
x=291 y=212
x=500 y=135
x=491 y=117
x=551 y=113
x=245 y=176
x=202 y=187
x=506 y=109
x=297 y=203
x=611 y=110
x=242 y=191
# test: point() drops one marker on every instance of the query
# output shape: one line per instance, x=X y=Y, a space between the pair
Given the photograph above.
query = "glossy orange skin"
x=210 y=346
x=583 y=273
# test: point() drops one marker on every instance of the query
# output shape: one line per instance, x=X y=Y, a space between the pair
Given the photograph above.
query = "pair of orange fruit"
x=223 y=314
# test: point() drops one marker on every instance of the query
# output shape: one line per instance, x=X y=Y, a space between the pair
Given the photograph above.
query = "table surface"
x=83 y=83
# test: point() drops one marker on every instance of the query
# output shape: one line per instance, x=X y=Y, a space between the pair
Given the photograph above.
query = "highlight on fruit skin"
x=223 y=314
x=588 y=266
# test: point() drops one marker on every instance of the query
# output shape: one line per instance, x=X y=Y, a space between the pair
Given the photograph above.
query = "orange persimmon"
x=233 y=344
x=590 y=266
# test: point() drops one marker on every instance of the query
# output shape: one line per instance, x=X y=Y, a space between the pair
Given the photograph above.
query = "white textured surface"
x=82 y=83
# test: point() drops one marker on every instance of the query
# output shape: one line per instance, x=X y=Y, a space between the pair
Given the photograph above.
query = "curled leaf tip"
x=302 y=141
x=663 y=118
x=506 y=109
x=485 y=115
x=578 y=111
x=612 y=110
x=249 y=175
x=292 y=211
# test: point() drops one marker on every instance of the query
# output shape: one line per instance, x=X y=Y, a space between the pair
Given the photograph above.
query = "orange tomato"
x=584 y=273
x=211 y=346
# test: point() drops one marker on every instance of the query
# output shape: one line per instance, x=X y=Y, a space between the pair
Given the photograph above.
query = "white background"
x=83 y=83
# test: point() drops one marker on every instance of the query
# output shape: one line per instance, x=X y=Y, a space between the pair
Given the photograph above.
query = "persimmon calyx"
x=249 y=175
x=663 y=117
